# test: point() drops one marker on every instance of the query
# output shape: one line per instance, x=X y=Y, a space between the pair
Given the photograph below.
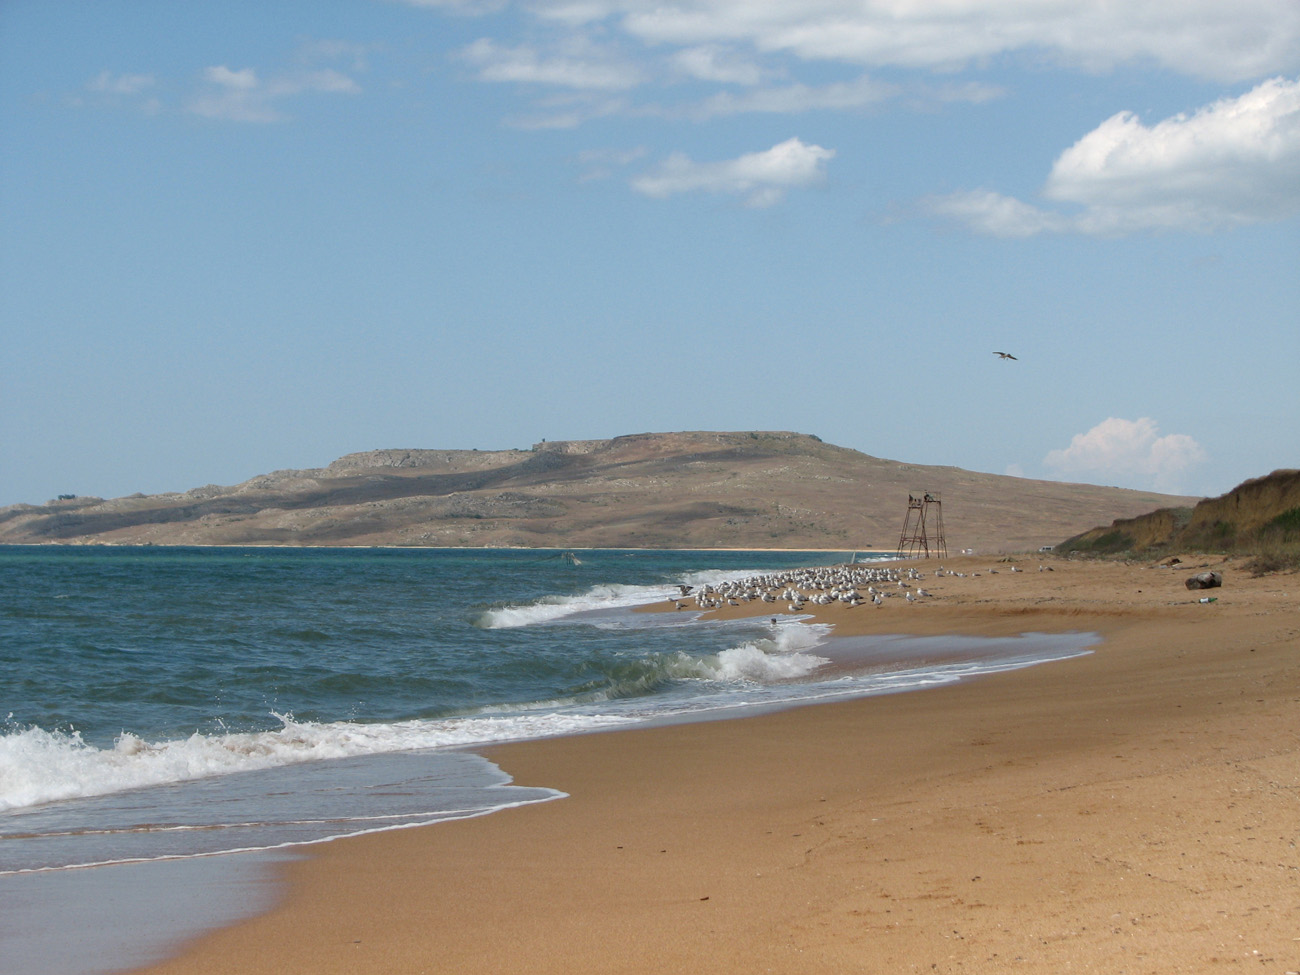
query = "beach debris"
x=1205 y=580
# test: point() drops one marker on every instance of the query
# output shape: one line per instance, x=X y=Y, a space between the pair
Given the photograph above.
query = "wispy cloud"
x=715 y=62
x=109 y=83
x=578 y=64
x=241 y=95
x=634 y=45
x=114 y=90
x=1118 y=450
x=1203 y=38
x=1234 y=162
x=762 y=178
x=996 y=215
x=795 y=98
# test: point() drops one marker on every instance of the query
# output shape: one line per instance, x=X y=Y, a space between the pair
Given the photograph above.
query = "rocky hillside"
x=1257 y=516
x=671 y=490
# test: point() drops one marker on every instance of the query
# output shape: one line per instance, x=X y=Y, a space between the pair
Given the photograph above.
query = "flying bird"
x=1005 y=355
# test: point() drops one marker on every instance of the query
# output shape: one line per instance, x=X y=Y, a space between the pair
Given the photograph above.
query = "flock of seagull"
x=852 y=585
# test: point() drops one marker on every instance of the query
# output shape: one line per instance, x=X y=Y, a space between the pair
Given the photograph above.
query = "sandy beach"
x=1132 y=810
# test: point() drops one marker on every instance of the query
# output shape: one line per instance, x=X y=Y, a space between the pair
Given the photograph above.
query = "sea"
x=176 y=721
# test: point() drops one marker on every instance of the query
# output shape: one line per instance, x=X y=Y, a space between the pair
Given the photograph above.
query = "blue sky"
x=237 y=237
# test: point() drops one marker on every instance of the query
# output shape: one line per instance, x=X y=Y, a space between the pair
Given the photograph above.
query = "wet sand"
x=1133 y=810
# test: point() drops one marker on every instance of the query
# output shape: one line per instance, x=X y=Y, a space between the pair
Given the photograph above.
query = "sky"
x=238 y=237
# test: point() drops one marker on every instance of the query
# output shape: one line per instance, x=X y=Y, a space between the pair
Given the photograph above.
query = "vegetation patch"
x=1259 y=518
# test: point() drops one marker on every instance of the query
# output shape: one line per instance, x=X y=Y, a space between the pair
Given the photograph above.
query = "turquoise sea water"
x=159 y=705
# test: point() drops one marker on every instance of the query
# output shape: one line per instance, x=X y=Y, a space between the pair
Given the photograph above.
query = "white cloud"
x=712 y=62
x=241 y=96
x=1118 y=450
x=621 y=45
x=245 y=79
x=796 y=98
x=744 y=44
x=568 y=110
x=110 y=90
x=1234 y=162
x=579 y=64
x=1204 y=38
x=761 y=177
x=120 y=84
x=995 y=215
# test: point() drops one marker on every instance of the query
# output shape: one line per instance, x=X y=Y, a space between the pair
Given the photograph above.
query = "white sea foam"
x=783 y=657
x=39 y=766
x=751 y=662
x=558 y=607
x=597 y=598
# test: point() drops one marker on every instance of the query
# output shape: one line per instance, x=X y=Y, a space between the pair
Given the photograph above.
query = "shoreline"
x=1131 y=808
x=882 y=552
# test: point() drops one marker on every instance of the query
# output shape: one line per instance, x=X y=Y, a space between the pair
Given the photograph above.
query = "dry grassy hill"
x=667 y=490
x=1260 y=516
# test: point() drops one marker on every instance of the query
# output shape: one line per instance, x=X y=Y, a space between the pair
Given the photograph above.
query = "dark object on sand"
x=1205 y=580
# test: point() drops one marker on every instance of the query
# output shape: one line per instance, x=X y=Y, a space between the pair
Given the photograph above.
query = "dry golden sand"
x=1134 y=810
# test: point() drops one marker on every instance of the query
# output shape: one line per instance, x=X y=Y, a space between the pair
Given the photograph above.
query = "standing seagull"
x=1005 y=355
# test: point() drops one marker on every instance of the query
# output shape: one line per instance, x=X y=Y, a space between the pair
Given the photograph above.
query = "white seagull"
x=1005 y=355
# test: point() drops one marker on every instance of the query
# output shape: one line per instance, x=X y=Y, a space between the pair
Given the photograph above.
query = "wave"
x=606 y=596
x=39 y=766
x=550 y=608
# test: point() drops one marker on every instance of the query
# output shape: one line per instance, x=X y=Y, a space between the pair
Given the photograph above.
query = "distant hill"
x=1260 y=516
x=654 y=490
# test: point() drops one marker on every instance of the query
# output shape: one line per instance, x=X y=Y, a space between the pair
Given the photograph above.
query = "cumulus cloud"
x=1233 y=162
x=1118 y=450
x=242 y=96
x=762 y=178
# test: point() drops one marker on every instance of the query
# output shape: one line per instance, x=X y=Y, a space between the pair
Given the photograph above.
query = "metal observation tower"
x=922 y=534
